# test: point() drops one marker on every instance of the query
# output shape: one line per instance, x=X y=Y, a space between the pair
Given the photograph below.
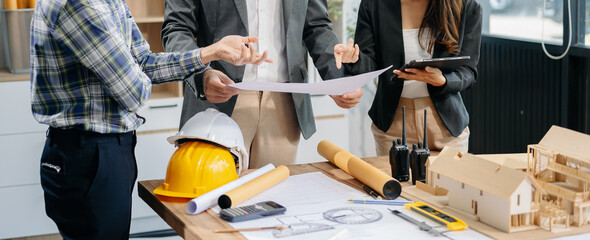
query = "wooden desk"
x=201 y=226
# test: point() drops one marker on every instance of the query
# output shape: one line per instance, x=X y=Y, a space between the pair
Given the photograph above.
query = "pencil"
x=383 y=202
x=249 y=229
x=372 y=192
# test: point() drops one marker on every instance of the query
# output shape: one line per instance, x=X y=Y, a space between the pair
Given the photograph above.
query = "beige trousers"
x=438 y=134
x=269 y=124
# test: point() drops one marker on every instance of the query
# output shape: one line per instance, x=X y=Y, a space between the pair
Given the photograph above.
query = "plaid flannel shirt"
x=91 y=68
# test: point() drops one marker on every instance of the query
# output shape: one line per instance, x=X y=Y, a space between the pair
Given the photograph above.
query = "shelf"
x=151 y=33
x=152 y=19
x=6 y=76
x=149 y=16
x=167 y=90
x=141 y=9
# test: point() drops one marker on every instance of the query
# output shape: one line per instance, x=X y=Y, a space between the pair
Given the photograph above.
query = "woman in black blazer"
x=393 y=32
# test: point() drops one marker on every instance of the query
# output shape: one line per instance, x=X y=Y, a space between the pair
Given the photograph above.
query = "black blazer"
x=380 y=38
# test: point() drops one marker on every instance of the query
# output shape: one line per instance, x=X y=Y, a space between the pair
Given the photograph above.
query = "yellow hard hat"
x=214 y=127
x=195 y=168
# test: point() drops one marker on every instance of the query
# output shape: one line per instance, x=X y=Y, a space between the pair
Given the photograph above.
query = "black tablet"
x=444 y=64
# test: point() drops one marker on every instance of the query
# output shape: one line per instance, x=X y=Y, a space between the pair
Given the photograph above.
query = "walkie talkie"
x=419 y=156
x=399 y=155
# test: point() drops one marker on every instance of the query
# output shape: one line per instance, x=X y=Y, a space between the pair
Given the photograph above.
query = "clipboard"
x=446 y=64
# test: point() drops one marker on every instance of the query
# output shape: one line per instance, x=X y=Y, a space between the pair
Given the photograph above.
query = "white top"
x=265 y=20
x=412 y=88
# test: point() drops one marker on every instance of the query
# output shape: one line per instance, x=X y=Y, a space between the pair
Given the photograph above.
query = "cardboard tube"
x=361 y=170
x=10 y=4
x=335 y=155
x=210 y=198
x=253 y=187
x=22 y=4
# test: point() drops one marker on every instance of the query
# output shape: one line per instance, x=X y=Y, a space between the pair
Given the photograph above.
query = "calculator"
x=254 y=211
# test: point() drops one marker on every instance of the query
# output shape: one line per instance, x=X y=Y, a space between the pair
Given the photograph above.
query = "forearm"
x=364 y=64
x=320 y=39
x=365 y=38
x=166 y=67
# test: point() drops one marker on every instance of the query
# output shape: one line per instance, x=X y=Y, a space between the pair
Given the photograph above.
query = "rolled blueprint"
x=251 y=188
x=209 y=199
x=10 y=4
x=361 y=170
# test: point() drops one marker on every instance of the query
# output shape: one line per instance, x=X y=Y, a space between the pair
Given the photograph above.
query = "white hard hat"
x=218 y=128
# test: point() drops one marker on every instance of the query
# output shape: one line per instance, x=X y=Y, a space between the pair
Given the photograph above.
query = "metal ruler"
x=421 y=225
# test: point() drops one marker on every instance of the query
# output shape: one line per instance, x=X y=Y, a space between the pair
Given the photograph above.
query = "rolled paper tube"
x=251 y=188
x=209 y=199
x=361 y=170
x=335 y=155
x=22 y=4
x=10 y=4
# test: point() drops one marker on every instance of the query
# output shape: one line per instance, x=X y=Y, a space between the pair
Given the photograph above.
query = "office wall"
x=520 y=93
x=579 y=93
x=2 y=57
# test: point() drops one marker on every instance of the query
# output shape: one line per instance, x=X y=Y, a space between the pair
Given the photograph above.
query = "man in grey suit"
x=271 y=122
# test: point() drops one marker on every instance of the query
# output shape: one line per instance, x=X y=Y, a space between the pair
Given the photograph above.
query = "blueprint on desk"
x=309 y=196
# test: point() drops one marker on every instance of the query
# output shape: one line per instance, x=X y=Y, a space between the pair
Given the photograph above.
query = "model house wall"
x=495 y=193
x=560 y=163
x=522 y=198
x=490 y=209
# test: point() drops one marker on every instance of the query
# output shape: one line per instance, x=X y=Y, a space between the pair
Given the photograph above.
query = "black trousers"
x=87 y=179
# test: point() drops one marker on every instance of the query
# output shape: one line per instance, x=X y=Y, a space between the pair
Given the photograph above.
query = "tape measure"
x=436 y=215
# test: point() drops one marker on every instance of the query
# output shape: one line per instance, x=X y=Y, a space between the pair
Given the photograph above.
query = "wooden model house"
x=499 y=196
x=561 y=164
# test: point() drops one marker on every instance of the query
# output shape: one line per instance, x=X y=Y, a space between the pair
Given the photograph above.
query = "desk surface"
x=201 y=226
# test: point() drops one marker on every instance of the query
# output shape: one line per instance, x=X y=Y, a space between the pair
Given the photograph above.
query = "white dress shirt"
x=412 y=88
x=265 y=20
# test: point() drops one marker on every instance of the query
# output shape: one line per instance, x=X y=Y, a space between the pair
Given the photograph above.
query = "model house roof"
x=568 y=142
x=477 y=172
x=516 y=161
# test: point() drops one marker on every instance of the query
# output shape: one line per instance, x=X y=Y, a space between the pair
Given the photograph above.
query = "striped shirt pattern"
x=91 y=68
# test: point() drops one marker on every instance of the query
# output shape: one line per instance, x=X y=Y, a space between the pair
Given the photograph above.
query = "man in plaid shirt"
x=92 y=70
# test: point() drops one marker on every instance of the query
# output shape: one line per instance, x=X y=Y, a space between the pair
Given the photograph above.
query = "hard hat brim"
x=174 y=140
x=160 y=191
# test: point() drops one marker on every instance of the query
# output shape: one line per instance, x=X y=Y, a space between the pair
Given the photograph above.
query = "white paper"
x=308 y=196
x=336 y=86
x=209 y=199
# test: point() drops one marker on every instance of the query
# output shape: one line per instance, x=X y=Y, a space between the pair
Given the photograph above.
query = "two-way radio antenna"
x=404 y=125
x=425 y=144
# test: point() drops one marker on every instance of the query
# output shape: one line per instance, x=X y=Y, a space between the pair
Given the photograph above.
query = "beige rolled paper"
x=361 y=170
x=253 y=187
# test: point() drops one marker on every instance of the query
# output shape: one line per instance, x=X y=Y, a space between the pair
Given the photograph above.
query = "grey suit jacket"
x=190 y=24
